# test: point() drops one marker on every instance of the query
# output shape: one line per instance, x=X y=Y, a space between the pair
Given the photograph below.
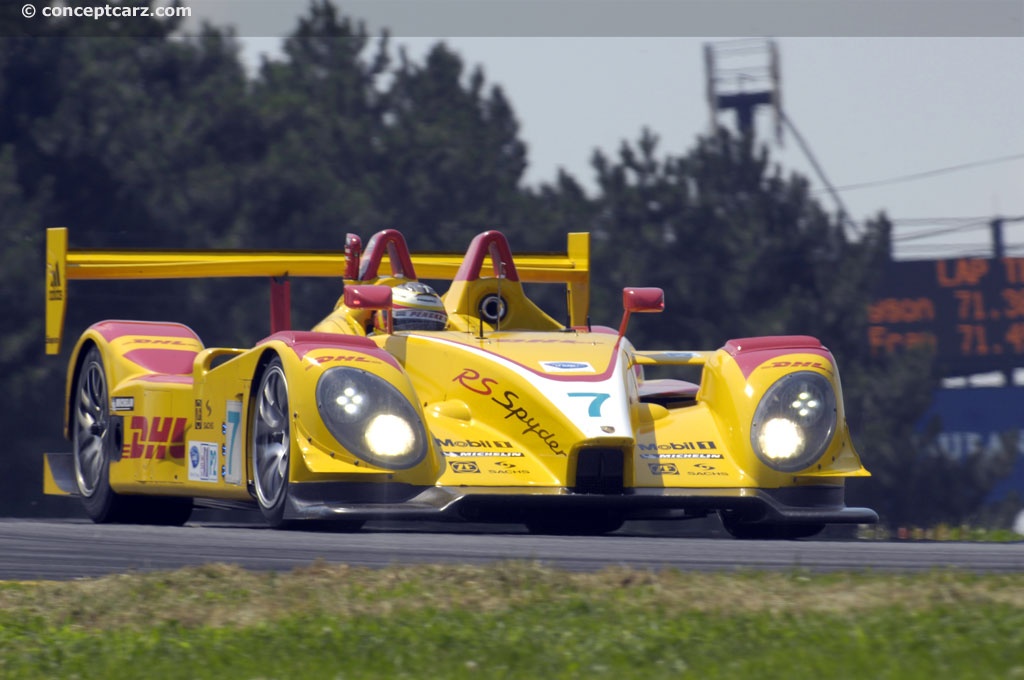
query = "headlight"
x=370 y=418
x=795 y=421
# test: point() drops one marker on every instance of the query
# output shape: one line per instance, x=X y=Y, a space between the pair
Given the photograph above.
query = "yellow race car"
x=472 y=405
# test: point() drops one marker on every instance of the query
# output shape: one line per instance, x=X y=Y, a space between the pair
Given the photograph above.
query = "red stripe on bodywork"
x=750 y=353
x=111 y=330
x=167 y=361
x=304 y=342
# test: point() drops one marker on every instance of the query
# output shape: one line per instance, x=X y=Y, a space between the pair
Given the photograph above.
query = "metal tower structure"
x=742 y=75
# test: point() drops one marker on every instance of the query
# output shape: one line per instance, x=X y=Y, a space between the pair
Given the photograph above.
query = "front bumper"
x=792 y=505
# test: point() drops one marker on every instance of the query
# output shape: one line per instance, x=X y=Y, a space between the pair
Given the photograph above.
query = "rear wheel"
x=270 y=444
x=94 y=442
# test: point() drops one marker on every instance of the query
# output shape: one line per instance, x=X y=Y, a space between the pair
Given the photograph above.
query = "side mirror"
x=640 y=300
x=371 y=298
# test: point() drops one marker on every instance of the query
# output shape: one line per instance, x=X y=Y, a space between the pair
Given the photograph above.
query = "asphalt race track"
x=64 y=549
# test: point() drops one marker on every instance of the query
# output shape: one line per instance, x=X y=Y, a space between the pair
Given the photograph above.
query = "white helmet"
x=417 y=307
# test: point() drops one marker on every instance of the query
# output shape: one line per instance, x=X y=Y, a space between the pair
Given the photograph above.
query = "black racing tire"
x=270 y=444
x=94 y=442
x=748 y=531
x=575 y=524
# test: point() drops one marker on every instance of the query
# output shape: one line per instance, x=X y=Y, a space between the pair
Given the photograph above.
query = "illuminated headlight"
x=389 y=436
x=794 y=422
x=370 y=418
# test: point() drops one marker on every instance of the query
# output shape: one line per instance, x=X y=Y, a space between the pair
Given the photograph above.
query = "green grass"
x=513 y=621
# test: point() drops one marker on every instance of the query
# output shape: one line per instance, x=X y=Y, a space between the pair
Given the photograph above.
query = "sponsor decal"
x=202 y=424
x=510 y=404
x=122 y=404
x=339 y=358
x=155 y=438
x=502 y=467
x=483 y=454
x=566 y=366
x=202 y=461
x=162 y=342
x=55 y=292
x=682 y=456
x=703 y=470
x=798 y=364
x=233 y=465
x=473 y=443
x=464 y=466
x=679 y=446
x=474 y=382
x=663 y=469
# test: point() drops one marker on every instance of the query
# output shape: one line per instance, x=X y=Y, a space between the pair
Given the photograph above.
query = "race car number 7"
x=597 y=400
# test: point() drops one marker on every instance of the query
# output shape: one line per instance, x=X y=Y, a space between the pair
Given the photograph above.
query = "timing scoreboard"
x=970 y=310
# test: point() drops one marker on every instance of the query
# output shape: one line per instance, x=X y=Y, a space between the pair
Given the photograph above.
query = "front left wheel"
x=270 y=443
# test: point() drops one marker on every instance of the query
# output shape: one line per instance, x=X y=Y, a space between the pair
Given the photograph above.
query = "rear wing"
x=64 y=264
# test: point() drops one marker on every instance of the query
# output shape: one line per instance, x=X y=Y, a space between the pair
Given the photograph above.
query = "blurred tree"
x=455 y=157
x=130 y=139
x=320 y=111
x=357 y=141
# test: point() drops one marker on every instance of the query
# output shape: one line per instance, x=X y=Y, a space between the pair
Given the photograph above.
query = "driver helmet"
x=416 y=307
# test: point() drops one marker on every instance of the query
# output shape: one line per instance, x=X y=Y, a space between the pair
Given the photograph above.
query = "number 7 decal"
x=233 y=465
x=597 y=399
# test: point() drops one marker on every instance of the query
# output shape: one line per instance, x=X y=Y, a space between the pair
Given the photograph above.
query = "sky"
x=931 y=123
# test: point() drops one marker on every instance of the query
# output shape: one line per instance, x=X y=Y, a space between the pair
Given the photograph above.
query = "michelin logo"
x=483 y=454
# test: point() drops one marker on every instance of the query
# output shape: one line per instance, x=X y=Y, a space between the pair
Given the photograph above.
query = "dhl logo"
x=155 y=438
x=799 y=364
x=162 y=342
x=342 y=358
